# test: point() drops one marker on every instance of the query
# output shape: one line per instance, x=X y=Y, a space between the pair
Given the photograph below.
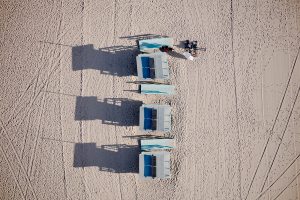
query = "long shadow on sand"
x=112 y=111
x=118 y=158
x=115 y=60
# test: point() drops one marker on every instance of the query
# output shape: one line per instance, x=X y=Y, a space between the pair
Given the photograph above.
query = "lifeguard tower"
x=154 y=160
x=152 y=64
x=154 y=117
x=157 y=89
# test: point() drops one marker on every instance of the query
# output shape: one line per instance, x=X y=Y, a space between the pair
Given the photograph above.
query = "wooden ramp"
x=150 y=45
x=157 y=89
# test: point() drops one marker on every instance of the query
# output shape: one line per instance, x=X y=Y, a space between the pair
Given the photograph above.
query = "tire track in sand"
x=8 y=138
x=236 y=99
x=287 y=185
x=34 y=96
x=281 y=174
x=197 y=111
x=33 y=156
x=35 y=78
x=267 y=175
x=29 y=85
x=10 y=117
x=274 y=123
x=39 y=92
x=196 y=90
x=130 y=33
x=37 y=72
x=186 y=139
x=86 y=189
x=60 y=110
x=11 y=170
x=113 y=85
x=18 y=159
x=181 y=105
x=22 y=150
x=281 y=139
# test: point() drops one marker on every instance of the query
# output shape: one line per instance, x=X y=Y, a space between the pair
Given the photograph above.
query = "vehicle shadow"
x=112 y=111
x=117 y=158
x=115 y=60
x=176 y=54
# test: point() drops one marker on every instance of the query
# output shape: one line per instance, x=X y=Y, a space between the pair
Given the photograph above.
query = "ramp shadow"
x=117 y=158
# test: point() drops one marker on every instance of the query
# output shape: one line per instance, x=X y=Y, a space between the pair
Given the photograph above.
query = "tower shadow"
x=113 y=111
x=117 y=158
x=116 y=60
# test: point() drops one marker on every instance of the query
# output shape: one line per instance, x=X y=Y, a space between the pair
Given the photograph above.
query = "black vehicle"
x=190 y=45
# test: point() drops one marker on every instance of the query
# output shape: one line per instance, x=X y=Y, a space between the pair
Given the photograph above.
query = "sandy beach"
x=69 y=107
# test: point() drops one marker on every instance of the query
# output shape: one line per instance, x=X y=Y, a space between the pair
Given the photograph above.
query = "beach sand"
x=69 y=109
